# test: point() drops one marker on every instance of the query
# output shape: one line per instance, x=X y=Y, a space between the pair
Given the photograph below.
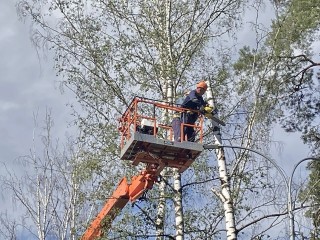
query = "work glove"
x=209 y=111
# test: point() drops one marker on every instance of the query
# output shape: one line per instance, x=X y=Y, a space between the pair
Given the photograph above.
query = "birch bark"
x=225 y=193
x=161 y=211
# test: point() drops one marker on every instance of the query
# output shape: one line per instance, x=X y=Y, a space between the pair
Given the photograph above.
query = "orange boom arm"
x=120 y=197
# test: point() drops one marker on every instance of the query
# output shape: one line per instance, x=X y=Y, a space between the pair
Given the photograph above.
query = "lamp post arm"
x=290 y=203
x=295 y=167
x=282 y=172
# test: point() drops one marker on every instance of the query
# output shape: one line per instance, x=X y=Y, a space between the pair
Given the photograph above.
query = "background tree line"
x=106 y=52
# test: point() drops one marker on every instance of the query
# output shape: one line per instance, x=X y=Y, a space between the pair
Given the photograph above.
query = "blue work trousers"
x=187 y=130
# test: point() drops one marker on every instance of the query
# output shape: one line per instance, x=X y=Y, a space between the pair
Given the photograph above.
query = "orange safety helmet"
x=203 y=85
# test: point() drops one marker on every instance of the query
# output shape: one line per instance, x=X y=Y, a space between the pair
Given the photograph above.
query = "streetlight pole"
x=290 y=203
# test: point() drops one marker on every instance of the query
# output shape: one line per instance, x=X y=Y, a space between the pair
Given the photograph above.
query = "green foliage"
x=292 y=34
x=295 y=27
x=295 y=31
x=109 y=51
x=285 y=63
x=311 y=195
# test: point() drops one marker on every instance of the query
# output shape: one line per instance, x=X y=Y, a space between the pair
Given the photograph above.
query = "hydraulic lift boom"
x=146 y=138
x=120 y=197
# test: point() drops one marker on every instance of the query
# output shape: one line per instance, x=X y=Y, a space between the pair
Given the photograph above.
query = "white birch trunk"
x=162 y=185
x=225 y=193
x=178 y=209
x=161 y=211
x=38 y=214
x=178 y=206
x=168 y=86
x=177 y=199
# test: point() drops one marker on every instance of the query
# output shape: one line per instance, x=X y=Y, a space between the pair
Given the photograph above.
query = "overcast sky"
x=28 y=85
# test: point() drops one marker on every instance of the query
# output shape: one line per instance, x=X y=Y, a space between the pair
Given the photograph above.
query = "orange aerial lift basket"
x=147 y=135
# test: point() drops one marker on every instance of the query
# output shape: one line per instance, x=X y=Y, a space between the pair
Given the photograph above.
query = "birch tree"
x=9 y=226
x=109 y=51
x=50 y=191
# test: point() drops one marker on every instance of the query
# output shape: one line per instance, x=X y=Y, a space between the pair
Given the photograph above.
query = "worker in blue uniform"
x=193 y=101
